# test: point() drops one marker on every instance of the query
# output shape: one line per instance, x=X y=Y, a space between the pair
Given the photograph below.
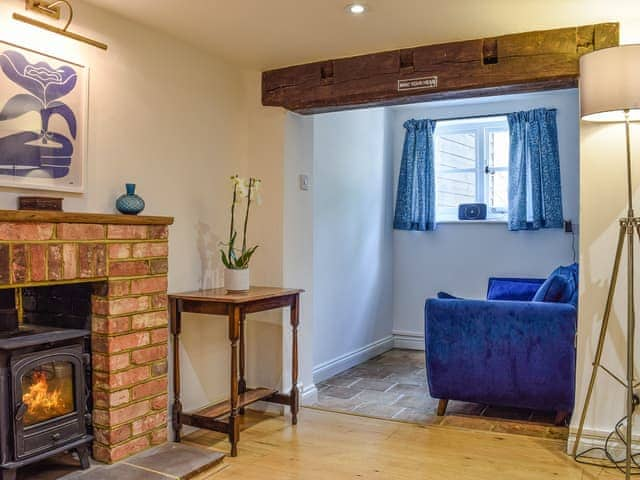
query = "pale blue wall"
x=458 y=258
x=352 y=233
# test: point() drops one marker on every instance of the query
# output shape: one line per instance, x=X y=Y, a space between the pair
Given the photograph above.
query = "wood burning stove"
x=44 y=395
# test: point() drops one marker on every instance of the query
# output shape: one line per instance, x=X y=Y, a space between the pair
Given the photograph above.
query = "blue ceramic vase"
x=130 y=203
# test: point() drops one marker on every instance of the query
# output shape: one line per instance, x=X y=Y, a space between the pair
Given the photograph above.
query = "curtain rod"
x=472 y=117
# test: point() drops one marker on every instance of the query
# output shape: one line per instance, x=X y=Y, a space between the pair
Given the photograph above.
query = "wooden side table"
x=235 y=306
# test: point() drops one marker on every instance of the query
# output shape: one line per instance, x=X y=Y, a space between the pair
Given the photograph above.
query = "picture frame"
x=43 y=121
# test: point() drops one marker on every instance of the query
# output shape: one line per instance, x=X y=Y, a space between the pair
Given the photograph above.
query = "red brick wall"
x=129 y=317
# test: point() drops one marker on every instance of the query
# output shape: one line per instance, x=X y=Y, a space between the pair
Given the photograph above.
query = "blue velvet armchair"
x=516 y=349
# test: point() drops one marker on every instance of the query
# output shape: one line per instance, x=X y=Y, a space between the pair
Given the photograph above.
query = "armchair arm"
x=501 y=352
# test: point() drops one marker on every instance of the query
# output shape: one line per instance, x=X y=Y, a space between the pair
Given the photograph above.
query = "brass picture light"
x=52 y=9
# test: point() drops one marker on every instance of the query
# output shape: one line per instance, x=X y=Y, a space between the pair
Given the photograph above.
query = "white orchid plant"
x=249 y=189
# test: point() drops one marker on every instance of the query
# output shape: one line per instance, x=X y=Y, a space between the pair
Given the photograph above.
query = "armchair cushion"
x=560 y=287
x=445 y=295
x=513 y=288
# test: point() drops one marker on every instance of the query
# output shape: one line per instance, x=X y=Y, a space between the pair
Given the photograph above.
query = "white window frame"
x=481 y=127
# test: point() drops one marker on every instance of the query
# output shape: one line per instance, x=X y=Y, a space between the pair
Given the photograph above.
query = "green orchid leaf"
x=225 y=261
x=246 y=257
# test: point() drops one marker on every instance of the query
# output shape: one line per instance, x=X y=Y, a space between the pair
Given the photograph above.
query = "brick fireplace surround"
x=126 y=257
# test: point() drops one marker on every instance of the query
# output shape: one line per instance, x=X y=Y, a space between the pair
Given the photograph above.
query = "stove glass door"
x=48 y=392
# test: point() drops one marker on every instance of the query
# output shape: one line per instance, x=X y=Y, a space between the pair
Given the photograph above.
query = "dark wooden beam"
x=520 y=62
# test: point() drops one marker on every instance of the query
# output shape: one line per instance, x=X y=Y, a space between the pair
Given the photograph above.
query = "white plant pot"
x=236 y=280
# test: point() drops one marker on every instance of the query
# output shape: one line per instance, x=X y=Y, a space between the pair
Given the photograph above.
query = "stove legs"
x=7 y=474
x=83 y=455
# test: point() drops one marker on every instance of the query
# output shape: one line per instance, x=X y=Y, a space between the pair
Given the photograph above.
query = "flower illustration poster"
x=42 y=118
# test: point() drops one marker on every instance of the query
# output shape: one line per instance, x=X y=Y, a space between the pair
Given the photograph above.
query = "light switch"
x=305 y=182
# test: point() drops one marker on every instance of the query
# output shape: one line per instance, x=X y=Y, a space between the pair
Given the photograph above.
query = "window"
x=472 y=166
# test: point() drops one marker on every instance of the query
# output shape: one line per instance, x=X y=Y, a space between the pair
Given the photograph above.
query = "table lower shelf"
x=210 y=417
x=223 y=408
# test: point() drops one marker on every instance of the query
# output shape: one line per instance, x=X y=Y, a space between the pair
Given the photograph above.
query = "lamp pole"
x=631 y=321
x=627 y=130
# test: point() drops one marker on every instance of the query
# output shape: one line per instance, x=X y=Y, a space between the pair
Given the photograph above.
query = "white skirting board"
x=596 y=439
x=344 y=362
x=309 y=395
x=409 y=340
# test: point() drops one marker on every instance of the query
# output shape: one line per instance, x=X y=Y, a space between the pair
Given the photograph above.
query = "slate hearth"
x=121 y=262
x=171 y=461
x=175 y=460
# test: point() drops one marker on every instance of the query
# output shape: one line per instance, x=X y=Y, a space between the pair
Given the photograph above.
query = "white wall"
x=264 y=130
x=459 y=258
x=352 y=239
x=298 y=243
x=178 y=122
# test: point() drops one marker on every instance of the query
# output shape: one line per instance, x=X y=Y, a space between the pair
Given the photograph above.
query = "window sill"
x=493 y=221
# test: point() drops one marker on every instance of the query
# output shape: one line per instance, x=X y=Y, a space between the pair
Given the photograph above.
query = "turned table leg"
x=234 y=422
x=295 y=394
x=242 y=383
x=176 y=328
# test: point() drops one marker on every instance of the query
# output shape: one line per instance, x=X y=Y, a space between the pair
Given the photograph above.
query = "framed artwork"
x=43 y=115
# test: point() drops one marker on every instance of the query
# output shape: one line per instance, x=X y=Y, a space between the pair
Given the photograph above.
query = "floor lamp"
x=610 y=92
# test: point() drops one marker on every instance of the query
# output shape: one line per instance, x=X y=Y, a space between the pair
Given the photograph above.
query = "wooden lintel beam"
x=513 y=63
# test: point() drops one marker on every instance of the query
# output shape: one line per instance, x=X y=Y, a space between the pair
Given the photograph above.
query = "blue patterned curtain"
x=415 y=202
x=535 y=199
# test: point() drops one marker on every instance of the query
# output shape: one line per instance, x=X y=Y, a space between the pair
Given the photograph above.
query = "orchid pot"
x=237 y=280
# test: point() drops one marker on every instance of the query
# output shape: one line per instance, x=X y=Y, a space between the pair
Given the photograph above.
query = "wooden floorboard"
x=336 y=446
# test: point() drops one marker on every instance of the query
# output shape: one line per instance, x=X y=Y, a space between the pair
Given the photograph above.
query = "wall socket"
x=568 y=226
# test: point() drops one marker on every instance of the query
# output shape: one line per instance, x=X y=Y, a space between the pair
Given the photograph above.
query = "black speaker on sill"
x=472 y=211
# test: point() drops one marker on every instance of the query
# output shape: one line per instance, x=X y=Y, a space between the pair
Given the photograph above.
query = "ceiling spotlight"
x=356 y=9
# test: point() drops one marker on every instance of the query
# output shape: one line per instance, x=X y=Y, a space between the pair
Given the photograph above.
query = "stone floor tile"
x=387 y=398
x=377 y=410
x=408 y=379
x=351 y=373
x=120 y=471
x=361 y=388
x=334 y=403
x=418 y=401
x=378 y=373
x=372 y=384
x=177 y=460
x=408 y=388
x=340 y=392
x=341 y=381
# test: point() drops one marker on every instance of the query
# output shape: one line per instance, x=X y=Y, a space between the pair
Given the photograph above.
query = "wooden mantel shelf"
x=41 y=216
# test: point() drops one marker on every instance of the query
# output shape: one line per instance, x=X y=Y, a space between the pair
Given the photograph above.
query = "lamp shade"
x=610 y=84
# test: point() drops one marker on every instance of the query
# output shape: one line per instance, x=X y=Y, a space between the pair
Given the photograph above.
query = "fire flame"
x=42 y=402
